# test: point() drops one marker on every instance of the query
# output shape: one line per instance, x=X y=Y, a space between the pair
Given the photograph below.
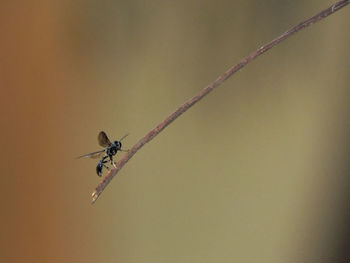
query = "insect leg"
x=112 y=162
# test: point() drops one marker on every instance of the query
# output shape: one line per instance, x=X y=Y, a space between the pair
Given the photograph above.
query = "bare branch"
x=188 y=104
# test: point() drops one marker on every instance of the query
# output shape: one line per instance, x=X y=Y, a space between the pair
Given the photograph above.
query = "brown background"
x=256 y=172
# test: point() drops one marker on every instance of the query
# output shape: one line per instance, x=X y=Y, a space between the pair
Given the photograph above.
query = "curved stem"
x=188 y=104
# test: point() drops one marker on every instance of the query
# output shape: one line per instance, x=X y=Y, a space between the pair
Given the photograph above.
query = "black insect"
x=111 y=149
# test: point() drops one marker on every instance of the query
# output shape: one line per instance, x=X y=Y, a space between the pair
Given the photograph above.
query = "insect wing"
x=103 y=139
x=93 y=155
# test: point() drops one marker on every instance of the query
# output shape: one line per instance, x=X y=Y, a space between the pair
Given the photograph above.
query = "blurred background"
x=258 y=171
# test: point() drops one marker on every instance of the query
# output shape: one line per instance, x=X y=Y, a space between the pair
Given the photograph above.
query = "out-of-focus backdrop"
x=258 y=171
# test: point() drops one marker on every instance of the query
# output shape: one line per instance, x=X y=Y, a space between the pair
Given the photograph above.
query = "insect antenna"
x=122 y=150
x=124 y=137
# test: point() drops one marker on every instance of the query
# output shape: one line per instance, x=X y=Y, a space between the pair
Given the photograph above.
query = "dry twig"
x=188 y=104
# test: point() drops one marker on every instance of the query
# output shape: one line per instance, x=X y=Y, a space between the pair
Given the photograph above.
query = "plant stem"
x=188 y=104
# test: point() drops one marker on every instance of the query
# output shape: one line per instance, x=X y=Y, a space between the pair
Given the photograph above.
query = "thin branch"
x=188 y=104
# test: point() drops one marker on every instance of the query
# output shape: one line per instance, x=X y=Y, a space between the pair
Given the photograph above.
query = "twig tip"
x=94 y=196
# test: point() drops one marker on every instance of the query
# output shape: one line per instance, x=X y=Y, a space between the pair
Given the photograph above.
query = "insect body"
x=100 y=165
x=111 y=149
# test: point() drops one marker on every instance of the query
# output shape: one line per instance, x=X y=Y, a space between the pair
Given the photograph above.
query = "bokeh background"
x=258 y=171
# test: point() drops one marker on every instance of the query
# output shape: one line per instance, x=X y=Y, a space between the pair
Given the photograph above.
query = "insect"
x=111 y=149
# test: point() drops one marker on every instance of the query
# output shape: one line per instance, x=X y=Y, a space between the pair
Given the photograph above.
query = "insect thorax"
x=114 y=148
